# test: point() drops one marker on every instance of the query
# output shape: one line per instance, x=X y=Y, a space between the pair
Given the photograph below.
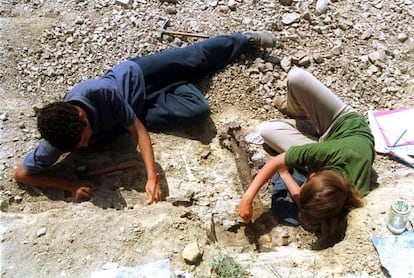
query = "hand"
x=82 y=191
x=245 y=209
x=153 y=190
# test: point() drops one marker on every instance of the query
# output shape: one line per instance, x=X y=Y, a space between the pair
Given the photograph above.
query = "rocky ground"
x=363 y=50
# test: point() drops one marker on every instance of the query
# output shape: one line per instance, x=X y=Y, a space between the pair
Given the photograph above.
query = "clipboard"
x=393 y=130
x=396 y=126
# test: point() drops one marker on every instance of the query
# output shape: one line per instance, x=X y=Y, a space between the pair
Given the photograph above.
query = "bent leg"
x=187 y=63
x=176 y=104
x=281 y=135
x=308 y=97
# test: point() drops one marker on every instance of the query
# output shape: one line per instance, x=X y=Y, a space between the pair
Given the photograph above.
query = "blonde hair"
x=324 y=203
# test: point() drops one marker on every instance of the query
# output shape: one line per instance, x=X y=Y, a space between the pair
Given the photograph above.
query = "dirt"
x=46 y=233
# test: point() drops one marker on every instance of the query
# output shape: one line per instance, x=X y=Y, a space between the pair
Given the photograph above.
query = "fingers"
x=245 y=210
x=245 y=215
x=154 y=196
x=83 y=193
x=153 y=192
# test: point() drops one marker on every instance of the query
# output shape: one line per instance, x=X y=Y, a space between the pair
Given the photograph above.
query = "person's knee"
x=269 y=130
x=296 y=75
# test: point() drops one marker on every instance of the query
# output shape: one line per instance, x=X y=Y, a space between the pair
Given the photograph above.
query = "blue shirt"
x=112 y=103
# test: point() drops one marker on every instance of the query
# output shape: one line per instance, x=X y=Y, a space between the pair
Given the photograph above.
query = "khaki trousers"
x=314 y=107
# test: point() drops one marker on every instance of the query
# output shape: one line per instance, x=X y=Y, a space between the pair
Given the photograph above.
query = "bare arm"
x=290 y=183
x=275 y=164
x=144 y=141
x=79 y=189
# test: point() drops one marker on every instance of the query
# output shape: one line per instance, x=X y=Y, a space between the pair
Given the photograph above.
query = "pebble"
x=286 y=2
x=402 y=37
x=321 y=6
x=290 y=18
x=377 y=56
x=192 y=253
x=41 y=232
x=285 y=63
x=4 y=116
x=4 y=204
x=367 y=34
x=232 y=4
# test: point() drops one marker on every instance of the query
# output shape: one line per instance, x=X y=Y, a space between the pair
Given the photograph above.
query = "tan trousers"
x=314 y=107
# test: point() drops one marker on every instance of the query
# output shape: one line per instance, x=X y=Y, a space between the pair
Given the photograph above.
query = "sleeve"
x=311 y=157
x=44 y=156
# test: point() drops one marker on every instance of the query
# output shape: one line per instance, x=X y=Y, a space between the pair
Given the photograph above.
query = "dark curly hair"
x=59 y=123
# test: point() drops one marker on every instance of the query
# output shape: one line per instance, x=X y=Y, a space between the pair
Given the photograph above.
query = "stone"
x=402 y=37
x=290 y=18
x=285 y=63
x=4 y=204
x=286 y=2
x=232 y=4
x=298 y=56
x=377 y=56
x=4 y=116
x=319 y=59
x=41 y=232
x=345 y=24
x=367 y=34
x=192 y=253
x=305 y=61
x=321 y=6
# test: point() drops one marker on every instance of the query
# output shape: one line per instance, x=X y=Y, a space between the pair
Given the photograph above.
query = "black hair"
x=59 y=123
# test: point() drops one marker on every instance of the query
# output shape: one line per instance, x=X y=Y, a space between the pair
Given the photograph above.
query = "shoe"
x=262 y=39
x=281 y=104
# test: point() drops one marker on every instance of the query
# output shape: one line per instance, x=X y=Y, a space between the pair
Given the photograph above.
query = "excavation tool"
x=106 y=170
x=164 y=31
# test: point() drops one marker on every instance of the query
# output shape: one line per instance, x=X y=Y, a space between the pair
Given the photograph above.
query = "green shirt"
x=348 y=148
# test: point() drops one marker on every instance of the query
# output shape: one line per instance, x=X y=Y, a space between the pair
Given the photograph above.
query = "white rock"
x=321 y=6
x=372 y=69
x=232 y=4
x=285 y=63
x=402 y=37
x=366 y=34
x=290 y=18
x=378 y=55
x=192 y=254
x=124 y=2
x=41 y=232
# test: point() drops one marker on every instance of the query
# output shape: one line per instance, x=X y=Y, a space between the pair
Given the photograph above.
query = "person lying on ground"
x=145 y=93
x=328 y=147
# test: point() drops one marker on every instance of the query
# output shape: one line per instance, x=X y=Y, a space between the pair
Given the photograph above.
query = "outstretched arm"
x=81 y=190
x=275 y=164
x=152 y=186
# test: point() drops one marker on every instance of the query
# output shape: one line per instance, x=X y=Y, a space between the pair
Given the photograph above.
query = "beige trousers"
x=314 y=108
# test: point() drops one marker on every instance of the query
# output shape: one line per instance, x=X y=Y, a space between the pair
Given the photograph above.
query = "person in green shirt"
x=327 y=140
